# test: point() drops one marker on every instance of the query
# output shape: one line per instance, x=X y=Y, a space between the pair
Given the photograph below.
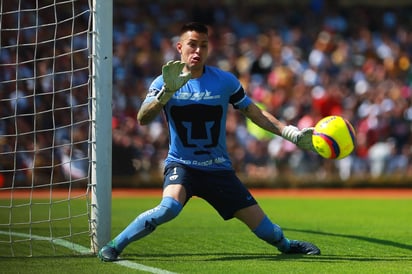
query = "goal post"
x=55 y=126
x=101 y=123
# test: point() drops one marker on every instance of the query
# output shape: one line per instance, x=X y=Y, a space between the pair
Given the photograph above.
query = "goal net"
x=47 y=128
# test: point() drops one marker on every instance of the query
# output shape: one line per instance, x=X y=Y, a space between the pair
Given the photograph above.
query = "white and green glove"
x=173 y=78
x=301 y=138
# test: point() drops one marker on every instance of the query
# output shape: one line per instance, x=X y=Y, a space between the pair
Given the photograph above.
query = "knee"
x=167 y=210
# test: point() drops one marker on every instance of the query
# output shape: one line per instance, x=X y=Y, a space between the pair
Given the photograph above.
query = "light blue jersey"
x=197 y=118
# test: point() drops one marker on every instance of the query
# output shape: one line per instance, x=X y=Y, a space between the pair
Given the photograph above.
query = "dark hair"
x=194 y=26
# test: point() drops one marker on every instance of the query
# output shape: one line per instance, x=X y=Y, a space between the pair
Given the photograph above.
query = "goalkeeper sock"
x=272 y=234
x=147 y=222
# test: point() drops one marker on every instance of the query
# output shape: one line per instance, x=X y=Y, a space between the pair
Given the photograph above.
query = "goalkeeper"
x=195 y=99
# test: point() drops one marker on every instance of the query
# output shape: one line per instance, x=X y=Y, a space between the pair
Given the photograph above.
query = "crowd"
x=44 y=93
x=300 y=63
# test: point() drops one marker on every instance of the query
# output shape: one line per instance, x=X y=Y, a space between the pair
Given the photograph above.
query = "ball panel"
x=321 y=146
x=332 y=145
x=351 y=131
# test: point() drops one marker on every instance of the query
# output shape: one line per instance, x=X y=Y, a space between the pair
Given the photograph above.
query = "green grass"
x=355 y=236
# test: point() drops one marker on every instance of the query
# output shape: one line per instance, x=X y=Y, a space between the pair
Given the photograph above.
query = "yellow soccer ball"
x=334 y=137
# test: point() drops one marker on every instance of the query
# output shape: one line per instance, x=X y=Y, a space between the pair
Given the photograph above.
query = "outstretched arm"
x=301 y=138
x=263 y=119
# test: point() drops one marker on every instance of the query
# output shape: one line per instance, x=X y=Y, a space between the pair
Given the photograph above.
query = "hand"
x=173 y=78
x=301 y=138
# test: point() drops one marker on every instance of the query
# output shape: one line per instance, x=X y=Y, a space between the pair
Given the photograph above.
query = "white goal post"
x=102 y=116
x=55 y=126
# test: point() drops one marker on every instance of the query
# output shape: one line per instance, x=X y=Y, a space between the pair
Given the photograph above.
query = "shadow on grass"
x=309 y=258
x=281 y=257
x=356 y=237
x=261 y=256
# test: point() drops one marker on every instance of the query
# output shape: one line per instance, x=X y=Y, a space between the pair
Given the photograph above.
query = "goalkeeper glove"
x=173 y=78
x=301 y=138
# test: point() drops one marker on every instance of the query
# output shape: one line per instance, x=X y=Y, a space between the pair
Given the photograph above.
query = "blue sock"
x=272 y=234
x=147 y=222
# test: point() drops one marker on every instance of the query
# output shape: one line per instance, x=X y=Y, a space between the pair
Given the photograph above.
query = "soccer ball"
x=333 y=137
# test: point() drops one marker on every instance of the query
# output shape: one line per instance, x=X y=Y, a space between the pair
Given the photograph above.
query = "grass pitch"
x=371 y=235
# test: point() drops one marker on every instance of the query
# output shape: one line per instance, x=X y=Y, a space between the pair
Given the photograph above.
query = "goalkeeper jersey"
x=196 y=116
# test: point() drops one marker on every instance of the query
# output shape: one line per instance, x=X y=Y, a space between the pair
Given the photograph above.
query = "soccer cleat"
x=299 y=247
x=108 y=253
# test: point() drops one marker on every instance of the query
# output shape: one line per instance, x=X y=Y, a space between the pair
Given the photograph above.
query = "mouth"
x=196 y=59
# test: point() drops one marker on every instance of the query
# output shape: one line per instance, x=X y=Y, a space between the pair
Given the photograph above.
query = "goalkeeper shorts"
x=221 y=189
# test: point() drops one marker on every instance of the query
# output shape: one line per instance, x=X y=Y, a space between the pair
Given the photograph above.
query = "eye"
x=192 y=44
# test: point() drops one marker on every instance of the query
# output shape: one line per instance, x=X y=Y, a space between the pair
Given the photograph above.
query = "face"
x=193 y=48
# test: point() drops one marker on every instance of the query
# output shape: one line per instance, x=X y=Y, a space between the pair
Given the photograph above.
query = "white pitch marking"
x=84 y=250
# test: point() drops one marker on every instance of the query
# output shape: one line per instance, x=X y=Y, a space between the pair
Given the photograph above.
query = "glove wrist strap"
x=290 y=133
x=163 y=96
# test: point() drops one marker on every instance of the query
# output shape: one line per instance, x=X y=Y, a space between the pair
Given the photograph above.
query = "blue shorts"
x=221 y=189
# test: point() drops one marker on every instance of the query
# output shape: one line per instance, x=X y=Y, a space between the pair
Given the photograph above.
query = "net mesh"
x=44 y=126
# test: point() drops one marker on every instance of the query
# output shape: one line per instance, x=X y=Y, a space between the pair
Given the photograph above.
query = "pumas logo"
x=173 y=177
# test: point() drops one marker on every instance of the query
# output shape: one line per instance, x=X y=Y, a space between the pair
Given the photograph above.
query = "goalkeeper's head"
x=193 y=46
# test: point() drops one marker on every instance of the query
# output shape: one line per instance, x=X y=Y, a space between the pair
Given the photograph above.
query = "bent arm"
x=149 y=109
x=263 y=119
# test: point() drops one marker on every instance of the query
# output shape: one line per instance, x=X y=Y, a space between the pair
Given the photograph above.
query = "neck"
x=196 y=73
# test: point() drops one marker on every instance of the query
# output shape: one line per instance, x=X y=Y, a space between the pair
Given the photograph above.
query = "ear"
x=179 y=47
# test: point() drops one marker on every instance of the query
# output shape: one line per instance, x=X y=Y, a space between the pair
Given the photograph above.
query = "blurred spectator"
x=300 y=64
